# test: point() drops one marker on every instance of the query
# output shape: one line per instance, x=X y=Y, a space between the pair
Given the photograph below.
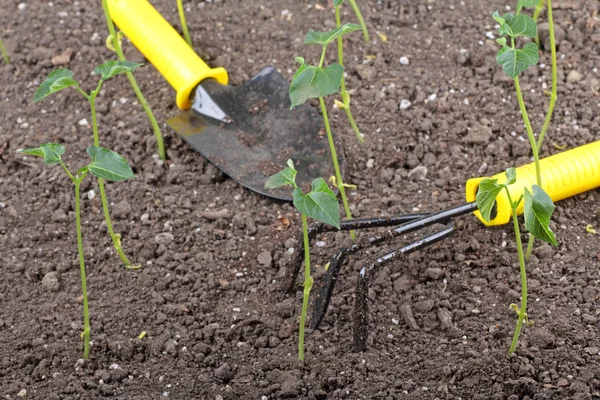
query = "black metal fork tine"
x=346 y=225
x=360 y=322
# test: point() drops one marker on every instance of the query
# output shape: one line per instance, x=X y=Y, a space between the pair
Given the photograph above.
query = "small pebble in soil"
x=404 y=104
x=164 y=238
x=83 y=122
x=404 y=60
x=265 y=259
x=224 y=373
x=418 y=173
x=50 y=282
x=91 y=195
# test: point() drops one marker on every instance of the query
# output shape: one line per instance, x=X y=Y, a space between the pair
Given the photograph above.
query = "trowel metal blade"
x=249 y=132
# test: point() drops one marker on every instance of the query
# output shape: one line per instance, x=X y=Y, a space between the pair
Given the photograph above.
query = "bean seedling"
x=311 y=81
x=539 y=5
x=4 y=53
x=114 y=43
x=361 y=20
x=105 y=164
x=184 y=27
x=538 y=206
x=319 y=204
x=62 y=79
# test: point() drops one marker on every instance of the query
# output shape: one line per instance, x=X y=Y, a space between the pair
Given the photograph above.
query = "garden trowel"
x=247 y=131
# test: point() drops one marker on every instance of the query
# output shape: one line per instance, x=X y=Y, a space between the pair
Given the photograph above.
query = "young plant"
x=184 y=27
x=538 y=209
x=105 y=164
x=62 y=79
x=4 y=53
x=311 y=81
x=114 y=43
x=345 y=103
x=539 y=5
x=319 y=204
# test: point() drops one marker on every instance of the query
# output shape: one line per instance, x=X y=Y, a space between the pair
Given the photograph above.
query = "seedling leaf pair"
x=105 y=164
x=62 y=78
x=514 y=60
x=320 y=203
x=538 y=207
x=324 y=38
x=311 y=82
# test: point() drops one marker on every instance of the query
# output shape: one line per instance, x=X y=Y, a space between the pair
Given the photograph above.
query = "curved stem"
x=307 y=288
x=336 y=166
x=184 y=27
x=117 y=45
x=360 y=19
x=116 y=239
x=343 y=91
x=554 y=93
x=4 y=53
x=536 y=13
x=86 y=313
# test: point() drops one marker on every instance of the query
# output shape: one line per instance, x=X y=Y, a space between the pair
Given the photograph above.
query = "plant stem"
x=532 y=142
x=134 y=85
x=360 y=19
x=536 y=13
x=116 y=239
x=86 y=313
x=4 y=53
x=344 y=93
x=184 y=27
x=308 y=281
x=338 y=174
x=523 y=309
x=554 y=93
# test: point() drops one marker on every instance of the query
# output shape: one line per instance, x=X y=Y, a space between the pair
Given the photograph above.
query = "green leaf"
x=337 y=3
x=286 y=176
x=501 y=41
x=538 y=210
x=498 y=18
x=511 y=176
x=51 y=152
x=486 y=196
x=319 y=204
x=112 y=68
x=324 y=38
x=57 y=80
x=515 y=61
x=301 y=68
x=108 y=164
x=313 y=82
x=517 y=25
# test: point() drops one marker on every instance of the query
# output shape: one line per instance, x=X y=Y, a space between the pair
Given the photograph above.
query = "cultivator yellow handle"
x=156 y=39
x=563 y=175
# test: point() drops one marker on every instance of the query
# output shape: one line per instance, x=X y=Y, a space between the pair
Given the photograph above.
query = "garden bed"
x=211 y=293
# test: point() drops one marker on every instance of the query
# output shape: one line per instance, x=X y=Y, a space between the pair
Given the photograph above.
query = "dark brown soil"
x=215 y=257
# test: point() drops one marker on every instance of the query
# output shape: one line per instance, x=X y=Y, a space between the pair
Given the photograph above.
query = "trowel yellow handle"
x=563 y=175
x=163 y=47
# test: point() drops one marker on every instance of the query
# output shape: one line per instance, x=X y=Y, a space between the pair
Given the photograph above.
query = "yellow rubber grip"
x=563 y=175
x=163 y=47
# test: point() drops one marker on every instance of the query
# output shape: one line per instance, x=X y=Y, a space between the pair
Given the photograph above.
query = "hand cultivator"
x=566 y=174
